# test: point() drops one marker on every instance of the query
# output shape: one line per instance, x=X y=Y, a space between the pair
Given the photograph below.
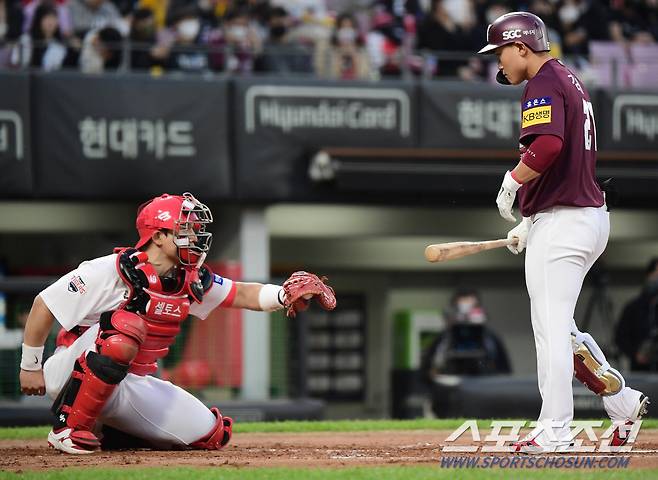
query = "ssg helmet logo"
x=510 y=34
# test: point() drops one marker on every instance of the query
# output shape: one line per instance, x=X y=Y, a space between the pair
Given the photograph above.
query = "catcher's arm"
x=39 y=322
x=247 y=295
x=295 y=294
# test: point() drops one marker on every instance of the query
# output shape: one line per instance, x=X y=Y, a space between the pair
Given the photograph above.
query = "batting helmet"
x=517 y=27
x=185 y=216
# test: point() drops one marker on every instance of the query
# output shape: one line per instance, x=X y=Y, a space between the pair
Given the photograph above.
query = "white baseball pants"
x=143 y=406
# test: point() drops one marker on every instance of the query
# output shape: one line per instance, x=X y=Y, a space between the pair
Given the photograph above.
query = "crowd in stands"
x=345 y=39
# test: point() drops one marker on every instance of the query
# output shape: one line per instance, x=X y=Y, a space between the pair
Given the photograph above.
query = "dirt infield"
x=327 y=449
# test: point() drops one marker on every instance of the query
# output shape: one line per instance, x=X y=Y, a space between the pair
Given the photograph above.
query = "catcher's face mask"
x=189 y=230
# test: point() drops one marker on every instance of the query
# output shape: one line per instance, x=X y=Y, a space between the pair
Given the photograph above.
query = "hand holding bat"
x=441 y=252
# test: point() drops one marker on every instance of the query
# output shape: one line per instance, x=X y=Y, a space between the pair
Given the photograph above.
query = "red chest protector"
x=162 y=303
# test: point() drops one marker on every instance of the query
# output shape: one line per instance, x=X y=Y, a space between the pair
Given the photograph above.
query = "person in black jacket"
x=637 y=330
x=467 y=346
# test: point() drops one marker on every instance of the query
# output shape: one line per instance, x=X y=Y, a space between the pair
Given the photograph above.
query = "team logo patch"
x=536 y=111
x=77 y=285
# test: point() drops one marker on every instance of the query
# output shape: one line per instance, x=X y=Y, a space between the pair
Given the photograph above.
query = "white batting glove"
x=506 y=196
x=521 y=233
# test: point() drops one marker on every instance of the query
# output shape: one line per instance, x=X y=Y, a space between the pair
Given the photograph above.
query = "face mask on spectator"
x=465 y=306
x=346 y=35
x=569 y=13
x=238 y=32
x=457 y=10
x=189 y=29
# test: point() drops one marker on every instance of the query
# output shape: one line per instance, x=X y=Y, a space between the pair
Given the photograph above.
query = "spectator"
x=242 y=40
x=580 y=22
x=43 y=47
x=345 y=57
x=439 y=32
x=144 y=54
x=467 y=346
x=280 y=54
x=390 y=41
x=89 y=14
x=63 y=14
x=101 y=50
x=160 y=9
x=302 y=10
x=186 y=52
x=258 y=9
x=634 y=21
x=11 y=21
x=637 y=330
x=208 y=14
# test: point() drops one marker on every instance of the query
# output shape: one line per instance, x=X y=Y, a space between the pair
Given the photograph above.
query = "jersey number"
x=590 y=125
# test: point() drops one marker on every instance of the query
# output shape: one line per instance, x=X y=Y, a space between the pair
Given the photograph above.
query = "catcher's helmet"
x=517 y=27
x=187 y=219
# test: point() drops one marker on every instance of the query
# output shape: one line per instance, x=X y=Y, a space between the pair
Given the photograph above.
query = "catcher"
x=120 y=314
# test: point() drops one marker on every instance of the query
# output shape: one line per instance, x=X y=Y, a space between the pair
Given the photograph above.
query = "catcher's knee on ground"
x=219 y=435
x=96 y=375
x=591 y=367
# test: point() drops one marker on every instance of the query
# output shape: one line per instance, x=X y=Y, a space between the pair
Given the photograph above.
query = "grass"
x=26 y=433
x=357 y=473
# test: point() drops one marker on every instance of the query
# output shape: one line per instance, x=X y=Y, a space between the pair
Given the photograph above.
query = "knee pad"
x=595 y=372
x=219 y=436
x=120 y=336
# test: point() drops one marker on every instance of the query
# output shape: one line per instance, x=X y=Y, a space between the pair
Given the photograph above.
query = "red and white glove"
x=301 y=287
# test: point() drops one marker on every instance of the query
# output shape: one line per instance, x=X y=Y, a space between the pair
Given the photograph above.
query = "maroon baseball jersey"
x=555 y=103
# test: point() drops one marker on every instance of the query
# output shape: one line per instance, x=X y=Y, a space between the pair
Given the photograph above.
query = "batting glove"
x=506 y=196
x=519 y=232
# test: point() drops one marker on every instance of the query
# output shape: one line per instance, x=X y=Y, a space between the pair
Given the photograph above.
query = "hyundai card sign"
x=635 y=117
x=11 y=135
x=302 y=108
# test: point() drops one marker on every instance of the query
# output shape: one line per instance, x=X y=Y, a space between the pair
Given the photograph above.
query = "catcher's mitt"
x=301 y=287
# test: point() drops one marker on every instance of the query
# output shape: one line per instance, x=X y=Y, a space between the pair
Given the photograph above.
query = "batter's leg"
x=562 y=245
x=623 y=404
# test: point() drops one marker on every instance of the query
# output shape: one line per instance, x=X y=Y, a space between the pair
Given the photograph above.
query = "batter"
x=565 y=227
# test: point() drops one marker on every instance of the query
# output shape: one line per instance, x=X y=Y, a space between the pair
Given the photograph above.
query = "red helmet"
x=185 y=216
x=517 y=27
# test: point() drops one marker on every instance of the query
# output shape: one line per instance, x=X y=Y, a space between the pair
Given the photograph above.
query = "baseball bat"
x=441 y=252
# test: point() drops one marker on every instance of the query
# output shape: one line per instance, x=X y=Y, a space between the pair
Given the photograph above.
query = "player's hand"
x=32 y=382
x=506 y=196
x=301 y=287
x=520 y=232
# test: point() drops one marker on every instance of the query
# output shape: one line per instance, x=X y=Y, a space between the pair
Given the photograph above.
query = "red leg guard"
x=586 y=377
x=219 y=436
x=90 y=399
x=96 y=375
